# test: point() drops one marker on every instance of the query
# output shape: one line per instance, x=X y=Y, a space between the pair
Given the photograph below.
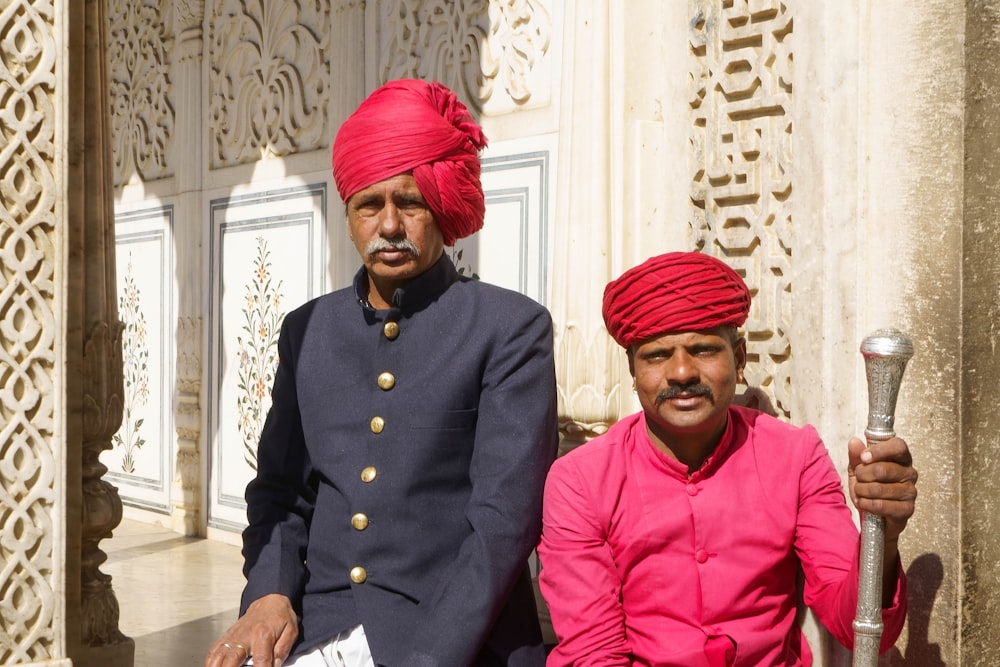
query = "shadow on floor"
x=176 y=594
x=182 y=645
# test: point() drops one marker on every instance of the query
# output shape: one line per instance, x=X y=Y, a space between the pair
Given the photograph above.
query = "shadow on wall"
x=923 y=578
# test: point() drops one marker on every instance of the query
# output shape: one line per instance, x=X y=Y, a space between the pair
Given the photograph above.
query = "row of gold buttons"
x=386 y=381
x=360 y=521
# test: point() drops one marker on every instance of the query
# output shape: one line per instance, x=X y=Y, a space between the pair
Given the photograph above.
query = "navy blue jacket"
x=401 y=467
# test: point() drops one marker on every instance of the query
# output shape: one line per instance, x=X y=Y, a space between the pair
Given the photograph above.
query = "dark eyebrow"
x=410 y=198
x=705 y=346
x=656 y=350
x=367 y=199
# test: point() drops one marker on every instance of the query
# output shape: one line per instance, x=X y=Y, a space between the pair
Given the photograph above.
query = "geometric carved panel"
x=268 y=256
x=740 y=96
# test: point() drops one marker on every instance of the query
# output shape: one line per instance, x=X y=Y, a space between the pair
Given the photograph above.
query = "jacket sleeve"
x=281 y=497
x=515 y=443
x=578 y=578
x=828 y=546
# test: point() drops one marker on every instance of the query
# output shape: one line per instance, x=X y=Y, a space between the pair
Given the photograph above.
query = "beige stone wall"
x=896 y=184
x=880 y=221
x=892 y=191
x=979 y=470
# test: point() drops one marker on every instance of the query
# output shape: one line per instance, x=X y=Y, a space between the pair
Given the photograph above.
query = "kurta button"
x=391 y=330
x=377 y=424
x=359 y=521
x=701 y=556
x=386 y=381
x=692 y=490
x=368 y=474
x=358 y=574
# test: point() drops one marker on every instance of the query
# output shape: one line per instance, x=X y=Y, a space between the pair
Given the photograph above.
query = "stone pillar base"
x=122 y=653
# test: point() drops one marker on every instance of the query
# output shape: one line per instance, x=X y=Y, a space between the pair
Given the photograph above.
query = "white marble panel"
x=512 y=250
x=139 y=463
x=267 y=256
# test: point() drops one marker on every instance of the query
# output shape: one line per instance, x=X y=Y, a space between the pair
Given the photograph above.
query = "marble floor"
x=176 y=594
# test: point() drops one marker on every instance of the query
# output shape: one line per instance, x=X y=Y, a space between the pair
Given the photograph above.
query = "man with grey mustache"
x=401 y=467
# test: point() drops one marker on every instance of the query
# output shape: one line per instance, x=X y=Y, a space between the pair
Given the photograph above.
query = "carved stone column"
x=188 y=232
x=93 y=337
x=588 y=362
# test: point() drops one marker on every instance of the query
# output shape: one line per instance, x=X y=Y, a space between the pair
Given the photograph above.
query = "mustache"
x=379 y=244
x=673 y=391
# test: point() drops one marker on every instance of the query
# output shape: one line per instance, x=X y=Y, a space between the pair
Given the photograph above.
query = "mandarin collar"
x=417 y=293
x=678 y=469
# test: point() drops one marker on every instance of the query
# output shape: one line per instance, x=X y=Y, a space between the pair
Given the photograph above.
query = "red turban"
x=678 y=291
x=410 y=125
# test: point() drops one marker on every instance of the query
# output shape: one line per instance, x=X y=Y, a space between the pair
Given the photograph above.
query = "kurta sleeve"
x=578 y=577
x=515 y=443
x=828 y=546
x=280 y=498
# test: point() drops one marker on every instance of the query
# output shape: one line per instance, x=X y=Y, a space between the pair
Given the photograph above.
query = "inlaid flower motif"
x=135 y=364
x=257 y=351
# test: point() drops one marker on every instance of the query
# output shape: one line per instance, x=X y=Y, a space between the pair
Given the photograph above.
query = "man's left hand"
x=882 y=481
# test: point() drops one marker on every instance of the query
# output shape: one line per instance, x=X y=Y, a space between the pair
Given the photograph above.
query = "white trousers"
x=348 y=649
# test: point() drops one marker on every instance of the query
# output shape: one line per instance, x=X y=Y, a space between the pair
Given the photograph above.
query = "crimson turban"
x=411 y=125
x=678 y=291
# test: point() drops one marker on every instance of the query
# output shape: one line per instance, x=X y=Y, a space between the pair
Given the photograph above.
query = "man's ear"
x=740 y=354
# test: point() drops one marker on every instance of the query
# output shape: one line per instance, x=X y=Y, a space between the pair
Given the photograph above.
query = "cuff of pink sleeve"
x=894 y=616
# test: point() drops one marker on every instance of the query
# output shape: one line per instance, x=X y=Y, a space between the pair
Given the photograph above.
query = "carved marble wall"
x=268 y=78
x=492 y=54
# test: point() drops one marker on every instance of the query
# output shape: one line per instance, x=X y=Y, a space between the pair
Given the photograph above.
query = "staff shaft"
x=885 y=352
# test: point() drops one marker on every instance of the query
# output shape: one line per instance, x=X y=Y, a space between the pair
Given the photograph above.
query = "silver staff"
x=886 y=352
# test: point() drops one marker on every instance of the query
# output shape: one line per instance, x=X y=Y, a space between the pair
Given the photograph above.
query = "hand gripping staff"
x=886 y=352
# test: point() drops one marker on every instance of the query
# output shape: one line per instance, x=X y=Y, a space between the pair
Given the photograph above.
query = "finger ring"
x=241 y=647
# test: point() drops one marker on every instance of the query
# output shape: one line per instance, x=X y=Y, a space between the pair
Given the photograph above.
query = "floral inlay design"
x=135 y=362
x=269 y=79
x=257 y=351
x=142 y=115
x=463 y=269
x=477 y=49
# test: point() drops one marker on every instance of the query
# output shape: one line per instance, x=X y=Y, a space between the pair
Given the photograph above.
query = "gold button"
x=386 y=380
x=359 y=521
x=368 y=474
x=391 y=330
x=358 y=574
x=377 y=424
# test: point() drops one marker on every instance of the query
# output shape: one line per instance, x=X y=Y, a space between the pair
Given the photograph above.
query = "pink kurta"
x=643 y=564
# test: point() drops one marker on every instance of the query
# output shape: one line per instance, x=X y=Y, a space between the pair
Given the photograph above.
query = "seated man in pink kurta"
x=676 y=538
